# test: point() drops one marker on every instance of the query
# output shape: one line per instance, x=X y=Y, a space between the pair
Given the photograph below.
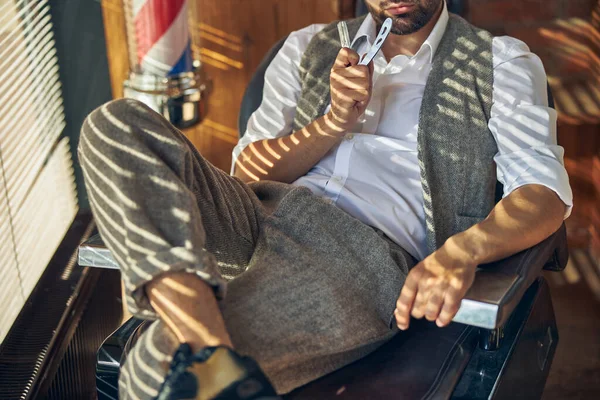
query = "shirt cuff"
x=524 y=168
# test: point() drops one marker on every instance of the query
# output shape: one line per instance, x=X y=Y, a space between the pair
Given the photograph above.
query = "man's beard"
x=410 y=22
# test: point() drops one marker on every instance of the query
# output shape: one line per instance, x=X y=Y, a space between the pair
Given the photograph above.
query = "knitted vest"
x=455 y=146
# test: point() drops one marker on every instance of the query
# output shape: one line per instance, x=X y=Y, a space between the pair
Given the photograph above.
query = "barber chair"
x=500 y=344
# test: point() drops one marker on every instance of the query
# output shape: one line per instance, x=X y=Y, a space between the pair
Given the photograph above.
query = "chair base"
x=518 y=369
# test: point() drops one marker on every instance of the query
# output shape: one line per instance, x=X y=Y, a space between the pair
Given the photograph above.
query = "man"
x=370 y=197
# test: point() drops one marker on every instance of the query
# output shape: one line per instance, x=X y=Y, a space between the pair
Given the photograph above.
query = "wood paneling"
x=230 y=37
x=296 y=14
x=595 y=229
x=116 y=44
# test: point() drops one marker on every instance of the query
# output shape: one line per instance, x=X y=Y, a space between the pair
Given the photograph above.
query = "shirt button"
x=349 y=136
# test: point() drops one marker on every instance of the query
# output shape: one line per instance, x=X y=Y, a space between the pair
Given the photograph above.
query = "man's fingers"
x=340 y=81
x=449 y=310
x=403 y=310
x=346 y=57
x=352 y=57
x=434 y=306
x=356 y=72
x=452 y=300
x=434 y=289
x=347 y=99
x=418 y=309
x=405 y=301
x=350 y=86
x=349 y=95
x=343 y=98
x=358 y=95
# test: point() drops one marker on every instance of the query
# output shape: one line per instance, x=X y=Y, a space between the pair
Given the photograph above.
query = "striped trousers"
x=304 y=288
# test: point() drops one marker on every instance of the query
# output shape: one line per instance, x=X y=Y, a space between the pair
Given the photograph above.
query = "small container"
x=180 y=98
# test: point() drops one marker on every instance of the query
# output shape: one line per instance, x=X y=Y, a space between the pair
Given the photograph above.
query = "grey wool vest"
x=455 y=146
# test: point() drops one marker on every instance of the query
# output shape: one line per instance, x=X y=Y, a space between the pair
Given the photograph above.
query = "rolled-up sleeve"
x=523 y=124
x=275 y=115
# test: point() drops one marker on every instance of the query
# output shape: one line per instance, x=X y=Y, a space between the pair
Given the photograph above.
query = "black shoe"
x=216 y=373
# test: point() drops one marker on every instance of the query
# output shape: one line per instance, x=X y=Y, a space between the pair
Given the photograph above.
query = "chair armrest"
x=93 y=253
x=499 y=287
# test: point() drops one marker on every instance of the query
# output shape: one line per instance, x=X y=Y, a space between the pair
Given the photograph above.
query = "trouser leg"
x=154 y=199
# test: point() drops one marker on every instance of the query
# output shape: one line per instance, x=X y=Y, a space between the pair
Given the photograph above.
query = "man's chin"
x=405 y=28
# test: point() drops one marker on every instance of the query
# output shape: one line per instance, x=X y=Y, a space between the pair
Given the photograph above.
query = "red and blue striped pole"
x=162 y=36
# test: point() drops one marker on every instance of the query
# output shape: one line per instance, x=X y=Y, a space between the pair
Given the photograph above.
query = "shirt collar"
x=368 y=29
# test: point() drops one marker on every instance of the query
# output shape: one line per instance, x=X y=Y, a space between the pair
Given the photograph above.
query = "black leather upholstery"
x=456 y=6
x=424 y=362
x=361 y=8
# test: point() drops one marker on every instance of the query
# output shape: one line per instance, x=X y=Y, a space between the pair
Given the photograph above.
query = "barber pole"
x=163 y=74
x=162 y=37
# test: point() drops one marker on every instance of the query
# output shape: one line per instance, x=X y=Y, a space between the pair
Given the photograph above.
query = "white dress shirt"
x=373 y=174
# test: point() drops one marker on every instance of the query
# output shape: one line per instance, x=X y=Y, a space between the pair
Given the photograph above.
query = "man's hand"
x=436 y=286
x=350 y=86
x=286 y=158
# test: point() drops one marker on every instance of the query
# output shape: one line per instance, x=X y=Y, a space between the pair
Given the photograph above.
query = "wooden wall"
x=564 y=33
x=230 y=37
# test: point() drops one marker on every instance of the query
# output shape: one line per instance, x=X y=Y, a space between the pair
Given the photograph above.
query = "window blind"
x=37 y=189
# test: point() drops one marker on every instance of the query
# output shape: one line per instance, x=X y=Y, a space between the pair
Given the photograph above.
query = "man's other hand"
x=350 y=86
x=435 y=287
